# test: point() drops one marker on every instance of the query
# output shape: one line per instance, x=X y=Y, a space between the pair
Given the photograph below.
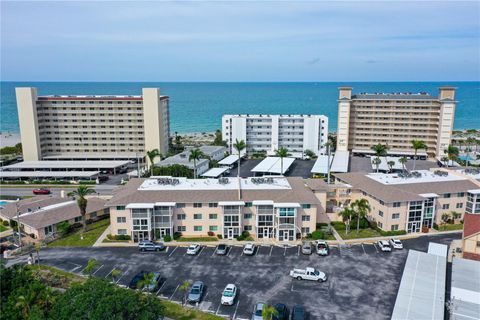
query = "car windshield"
x=221 y=247
x=258 y=312
x=192 y=247
x=228 y=293
x=316 y=272
x=195 y=290
x=322 y=246
x=397 y=241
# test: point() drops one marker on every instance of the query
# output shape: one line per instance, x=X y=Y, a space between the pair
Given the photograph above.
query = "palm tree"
x=390 y=165
x=361 y=207
x=195 y=155
x=445 y=161
x=147 y=280
x=403 y=161
x=114 y=274
x=184 y=287
x=81 y=192
x=329 y=146
x=239 y=146
x=268 y=312
x=377 y=162
x=92 y=264
x=24 y=305
x=416 y=145
x=152 y=154
x=452 y=153
x=282 y=153
x=347 y=214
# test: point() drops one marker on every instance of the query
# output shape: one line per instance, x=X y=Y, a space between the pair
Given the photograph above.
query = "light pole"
x=18 y=224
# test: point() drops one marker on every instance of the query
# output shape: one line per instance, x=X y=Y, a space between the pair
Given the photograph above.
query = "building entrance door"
x=230 y=234
x=266 y=233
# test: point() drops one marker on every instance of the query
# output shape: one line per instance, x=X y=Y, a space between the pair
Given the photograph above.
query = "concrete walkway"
x=337 y=236
x=6 y=233
x=99 y=241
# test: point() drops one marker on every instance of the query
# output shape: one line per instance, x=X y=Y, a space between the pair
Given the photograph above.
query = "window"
x=305 y=218
x=379 y=224
x=197 y=204
x=197 y=216
x=380 y=213
x=306 y=206
x=181 y=216
x=122 y=231
x=93 y=215
x=78 y=219
x=180 y=205
x=248 y=204
x=247 y=228
x=478 y=243
x=459 y=205
x=446 y=206
x=213 y=205
x=120 y=208
x=247 y=216
x=396 y=216
x=396 y=204
x=394 y=227
x=446 y=195
x=283 y=212
x=197 y=228
x=121 y=219
x=461 y=194
x=305 y=230
x=213 y=228
x=181 y=228
x=212 y=216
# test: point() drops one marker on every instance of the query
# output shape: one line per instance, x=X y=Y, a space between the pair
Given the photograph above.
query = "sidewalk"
x=99 y=241
x=6 y=233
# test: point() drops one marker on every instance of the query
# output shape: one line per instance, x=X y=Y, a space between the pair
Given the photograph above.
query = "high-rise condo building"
x=62 y=127
x=395 y=119
x=267 y=133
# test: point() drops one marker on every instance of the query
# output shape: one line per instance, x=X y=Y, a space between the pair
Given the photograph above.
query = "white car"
x=396 y=243
x=229 y=295
x=384 y=246
x=249 y=249
x=193 y=249
x=308 y=274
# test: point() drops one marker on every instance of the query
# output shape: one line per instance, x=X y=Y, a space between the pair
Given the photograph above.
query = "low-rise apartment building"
x=267 y=133
x=409 y=201
x=39 y=216
x=92 y=127
x=471 y=234
x=395 y=119
x=275 y=208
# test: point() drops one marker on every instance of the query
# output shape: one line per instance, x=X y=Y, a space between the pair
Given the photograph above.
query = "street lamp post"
x=18 y=224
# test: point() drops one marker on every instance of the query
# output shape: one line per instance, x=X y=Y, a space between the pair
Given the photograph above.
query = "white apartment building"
x=267 y=133
x=92 y=127
x=395 y=119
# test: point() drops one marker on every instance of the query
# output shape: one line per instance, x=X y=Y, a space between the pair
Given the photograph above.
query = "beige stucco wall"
x=470 y=244
x=156 y=120
x=27 y=120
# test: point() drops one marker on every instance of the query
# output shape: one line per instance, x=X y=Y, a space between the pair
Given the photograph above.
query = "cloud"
x=313 y=61
x=372 y=61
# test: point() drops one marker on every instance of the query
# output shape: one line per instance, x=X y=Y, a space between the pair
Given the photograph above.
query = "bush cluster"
x=167 y=238
x=338 y=225
x=6 y=223
x=121 y=237
x=391 y=233
x=177 y=235
x=317 y=235
x=245 y=236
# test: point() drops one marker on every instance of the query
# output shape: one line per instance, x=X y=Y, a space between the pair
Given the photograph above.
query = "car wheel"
x=299 y=278
x=158 y=249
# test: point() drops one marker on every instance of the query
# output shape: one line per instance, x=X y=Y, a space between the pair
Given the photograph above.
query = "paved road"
x=102 y=189
x=362 y=280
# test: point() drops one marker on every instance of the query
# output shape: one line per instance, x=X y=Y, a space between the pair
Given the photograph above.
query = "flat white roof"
x=65 y=164
x=406 y=153
x=48 y=174
x=475 y=191
x=338 y=163
x=426 y=176
x=231 y=203
x=215 y=172
x=228 y=161
x=438 y=249
x=181 y=158
x=422 y=289
x=273 y=165
x=465 y=291
x=165 y=204
x=140 y=206
x=384 y=164
x=287 y=205
x=429 y=195
x=262 y=203
x=321 y=165
x=252 y=183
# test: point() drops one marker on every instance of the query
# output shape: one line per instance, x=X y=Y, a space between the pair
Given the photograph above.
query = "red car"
x=41 y=191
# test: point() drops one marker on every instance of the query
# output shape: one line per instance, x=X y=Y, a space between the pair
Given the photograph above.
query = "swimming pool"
x=2 y=203
x=465 y=158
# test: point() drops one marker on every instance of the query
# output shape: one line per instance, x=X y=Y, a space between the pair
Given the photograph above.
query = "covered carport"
x=273 y=166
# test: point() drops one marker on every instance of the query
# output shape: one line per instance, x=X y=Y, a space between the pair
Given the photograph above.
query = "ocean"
x=198 y=107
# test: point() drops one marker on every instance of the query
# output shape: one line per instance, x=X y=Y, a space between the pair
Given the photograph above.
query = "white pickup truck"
x=308 y=274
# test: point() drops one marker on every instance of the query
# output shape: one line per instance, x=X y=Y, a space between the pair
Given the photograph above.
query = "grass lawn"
x=194 y=239
x=3 y=228
x=176 y=311
x=94 y=230
x=55 y=277
x=449 y=227
x=362 y=233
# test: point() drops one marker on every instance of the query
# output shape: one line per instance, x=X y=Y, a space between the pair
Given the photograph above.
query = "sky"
x=240 y=41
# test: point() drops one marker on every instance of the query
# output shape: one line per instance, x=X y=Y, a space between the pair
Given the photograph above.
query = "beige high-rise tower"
x=92 y=127
x=395 y=119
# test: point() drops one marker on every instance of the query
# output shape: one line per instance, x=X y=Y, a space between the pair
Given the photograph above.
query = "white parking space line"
x=120 y=278
x=271 y=249
x=236 y=308
x=258 y=249
x=213 y=253
x=376 y=249
x=167 y=249
x=364 y=252
x=200 y=252
x=229 y=250
x=298 y=251
x=284 y=251
x=77 y=266
x=161 y=287
x=172 y=251
x=110 y=272
x=203 y=302
x=171 y=297
x=98 y=269
x=218 y=309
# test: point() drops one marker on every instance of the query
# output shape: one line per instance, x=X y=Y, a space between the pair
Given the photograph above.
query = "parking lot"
x=362 y=280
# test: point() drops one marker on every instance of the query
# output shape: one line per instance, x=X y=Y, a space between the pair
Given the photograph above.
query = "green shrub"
x=364 y=224
x=391 y=233
x=435 y=226
x=338 y=225
x=322 y=224
x=219 y=236
x=177 y=235
x=6 y=223
x=13 y=224
x=64 y=228
x=167 y=238
x=118 y=237
x=318 y=235
x=245 y=236
x=157 y=234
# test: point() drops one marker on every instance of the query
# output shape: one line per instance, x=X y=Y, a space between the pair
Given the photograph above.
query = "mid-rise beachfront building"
x=267 y=133
x=92 y=127
x=274 y=208
x=395 y=119
x=408 y=201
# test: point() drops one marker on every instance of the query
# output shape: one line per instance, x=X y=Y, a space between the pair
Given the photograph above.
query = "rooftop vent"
x=223 y=180
x=168 y=181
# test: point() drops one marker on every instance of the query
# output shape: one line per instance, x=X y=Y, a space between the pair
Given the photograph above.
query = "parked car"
x=222 y=249
x=150 y=246
x=257 y=311
x=384 y=246
x=396 y=243
x=282 y=312
x=136 y=279
x=156 y=283
x=308 y=274
x=307 y=247
x=249 y=249
x=196 y=292
x=229 y=295
x=322 y=248
x=298 y=313
x=193 y=249
x=102 y=178
x=41 y=191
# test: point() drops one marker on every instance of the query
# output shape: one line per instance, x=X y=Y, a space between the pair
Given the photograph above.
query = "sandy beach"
x=9 y=139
